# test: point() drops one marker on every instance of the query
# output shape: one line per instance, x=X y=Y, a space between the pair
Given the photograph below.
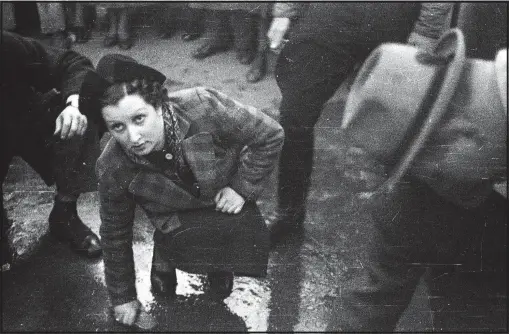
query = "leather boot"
x=209 y=49
x=284 y=223
x=245 y=57
x=220 y=284
x=66 y=225
x=163 y=283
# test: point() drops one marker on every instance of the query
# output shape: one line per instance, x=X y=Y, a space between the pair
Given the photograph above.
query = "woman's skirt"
x=211 y=241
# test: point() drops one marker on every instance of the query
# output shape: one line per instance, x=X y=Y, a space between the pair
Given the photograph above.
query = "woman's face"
x=135 y=124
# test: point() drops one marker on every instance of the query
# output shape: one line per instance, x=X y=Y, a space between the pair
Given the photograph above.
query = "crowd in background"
x=221 y=26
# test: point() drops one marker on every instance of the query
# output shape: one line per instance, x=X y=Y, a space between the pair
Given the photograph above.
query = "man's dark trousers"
x=307 y=74
x=416 y=230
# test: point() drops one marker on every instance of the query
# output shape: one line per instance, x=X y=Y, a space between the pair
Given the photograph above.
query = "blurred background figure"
x=81 y=17
x=262 y=23
x=172 y=17
x=119 y=25
x=45 y=20
x=227 y=22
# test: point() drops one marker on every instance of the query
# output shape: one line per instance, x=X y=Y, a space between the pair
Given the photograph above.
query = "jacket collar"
x=184 y=126
x=198 y=150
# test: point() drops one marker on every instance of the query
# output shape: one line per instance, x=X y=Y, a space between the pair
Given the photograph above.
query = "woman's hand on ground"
x=229 y=201
x=126 y=313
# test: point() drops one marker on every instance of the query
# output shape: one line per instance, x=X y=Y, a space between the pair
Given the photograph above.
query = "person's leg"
x=73 y=169
x=163 y=276
x=217 y=37
x=192 y=24
x=79 y=24
x=111 y=37
x=125 y=40
x=307 y=75
x=68 y=164
x=259 y=65
x=244 y=30
x=480 y=276
x=411 y=232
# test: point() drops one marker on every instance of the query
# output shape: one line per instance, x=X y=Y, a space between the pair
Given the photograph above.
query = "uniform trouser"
x=68 y=164
x=414 y=230
x=308 y=75
x=243 y=25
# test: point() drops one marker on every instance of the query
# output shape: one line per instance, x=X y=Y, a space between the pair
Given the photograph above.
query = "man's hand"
x=229 y=201
x=70 y=123
x=126 y=313
x=277 y=31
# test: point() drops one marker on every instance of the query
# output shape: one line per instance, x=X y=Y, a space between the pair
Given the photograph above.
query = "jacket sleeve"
x=291 y=10
x=45 y=67
x=261 y=136
x=433 y=19
x=117 y=209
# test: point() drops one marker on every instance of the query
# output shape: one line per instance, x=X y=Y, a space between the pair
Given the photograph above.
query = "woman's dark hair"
x=152 y=92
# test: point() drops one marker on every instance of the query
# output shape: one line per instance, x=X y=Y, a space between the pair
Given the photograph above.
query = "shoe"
x=125 y=44
x=281 y=225
x=190 y=36
x=207 y=50
x=65 y=225
x=163 y=283
x=110 y=41
x=258 y=69
x=220 y=284
x=245 y=57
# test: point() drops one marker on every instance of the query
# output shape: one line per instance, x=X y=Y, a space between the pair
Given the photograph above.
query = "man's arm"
x=261 y=136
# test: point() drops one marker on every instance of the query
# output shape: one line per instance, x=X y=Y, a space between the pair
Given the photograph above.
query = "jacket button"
x=168 y=156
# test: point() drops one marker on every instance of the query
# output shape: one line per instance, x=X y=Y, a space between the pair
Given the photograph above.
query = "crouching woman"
x=194 y=160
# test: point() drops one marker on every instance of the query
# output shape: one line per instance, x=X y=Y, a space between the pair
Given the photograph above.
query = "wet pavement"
x=50 y=288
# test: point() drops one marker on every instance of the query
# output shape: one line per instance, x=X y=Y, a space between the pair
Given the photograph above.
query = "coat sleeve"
x=261 y=136
x=45 y=67
x=433 y=19
x=117 y=209
x=291 y=10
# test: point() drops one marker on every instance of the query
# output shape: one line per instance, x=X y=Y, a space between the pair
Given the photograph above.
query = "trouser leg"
x=308 y=75
x=192 y=21
x=216 y=28
x=74 y=163
x=244 y=31
x=259 y=65
x=217 y=35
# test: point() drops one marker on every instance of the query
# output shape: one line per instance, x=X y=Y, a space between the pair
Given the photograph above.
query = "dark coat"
x=335 y=24
x=28 y=67
x=29 y=71
x=226 y=144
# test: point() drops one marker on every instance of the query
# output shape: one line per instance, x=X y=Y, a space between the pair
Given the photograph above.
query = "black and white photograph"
x=254 y=166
